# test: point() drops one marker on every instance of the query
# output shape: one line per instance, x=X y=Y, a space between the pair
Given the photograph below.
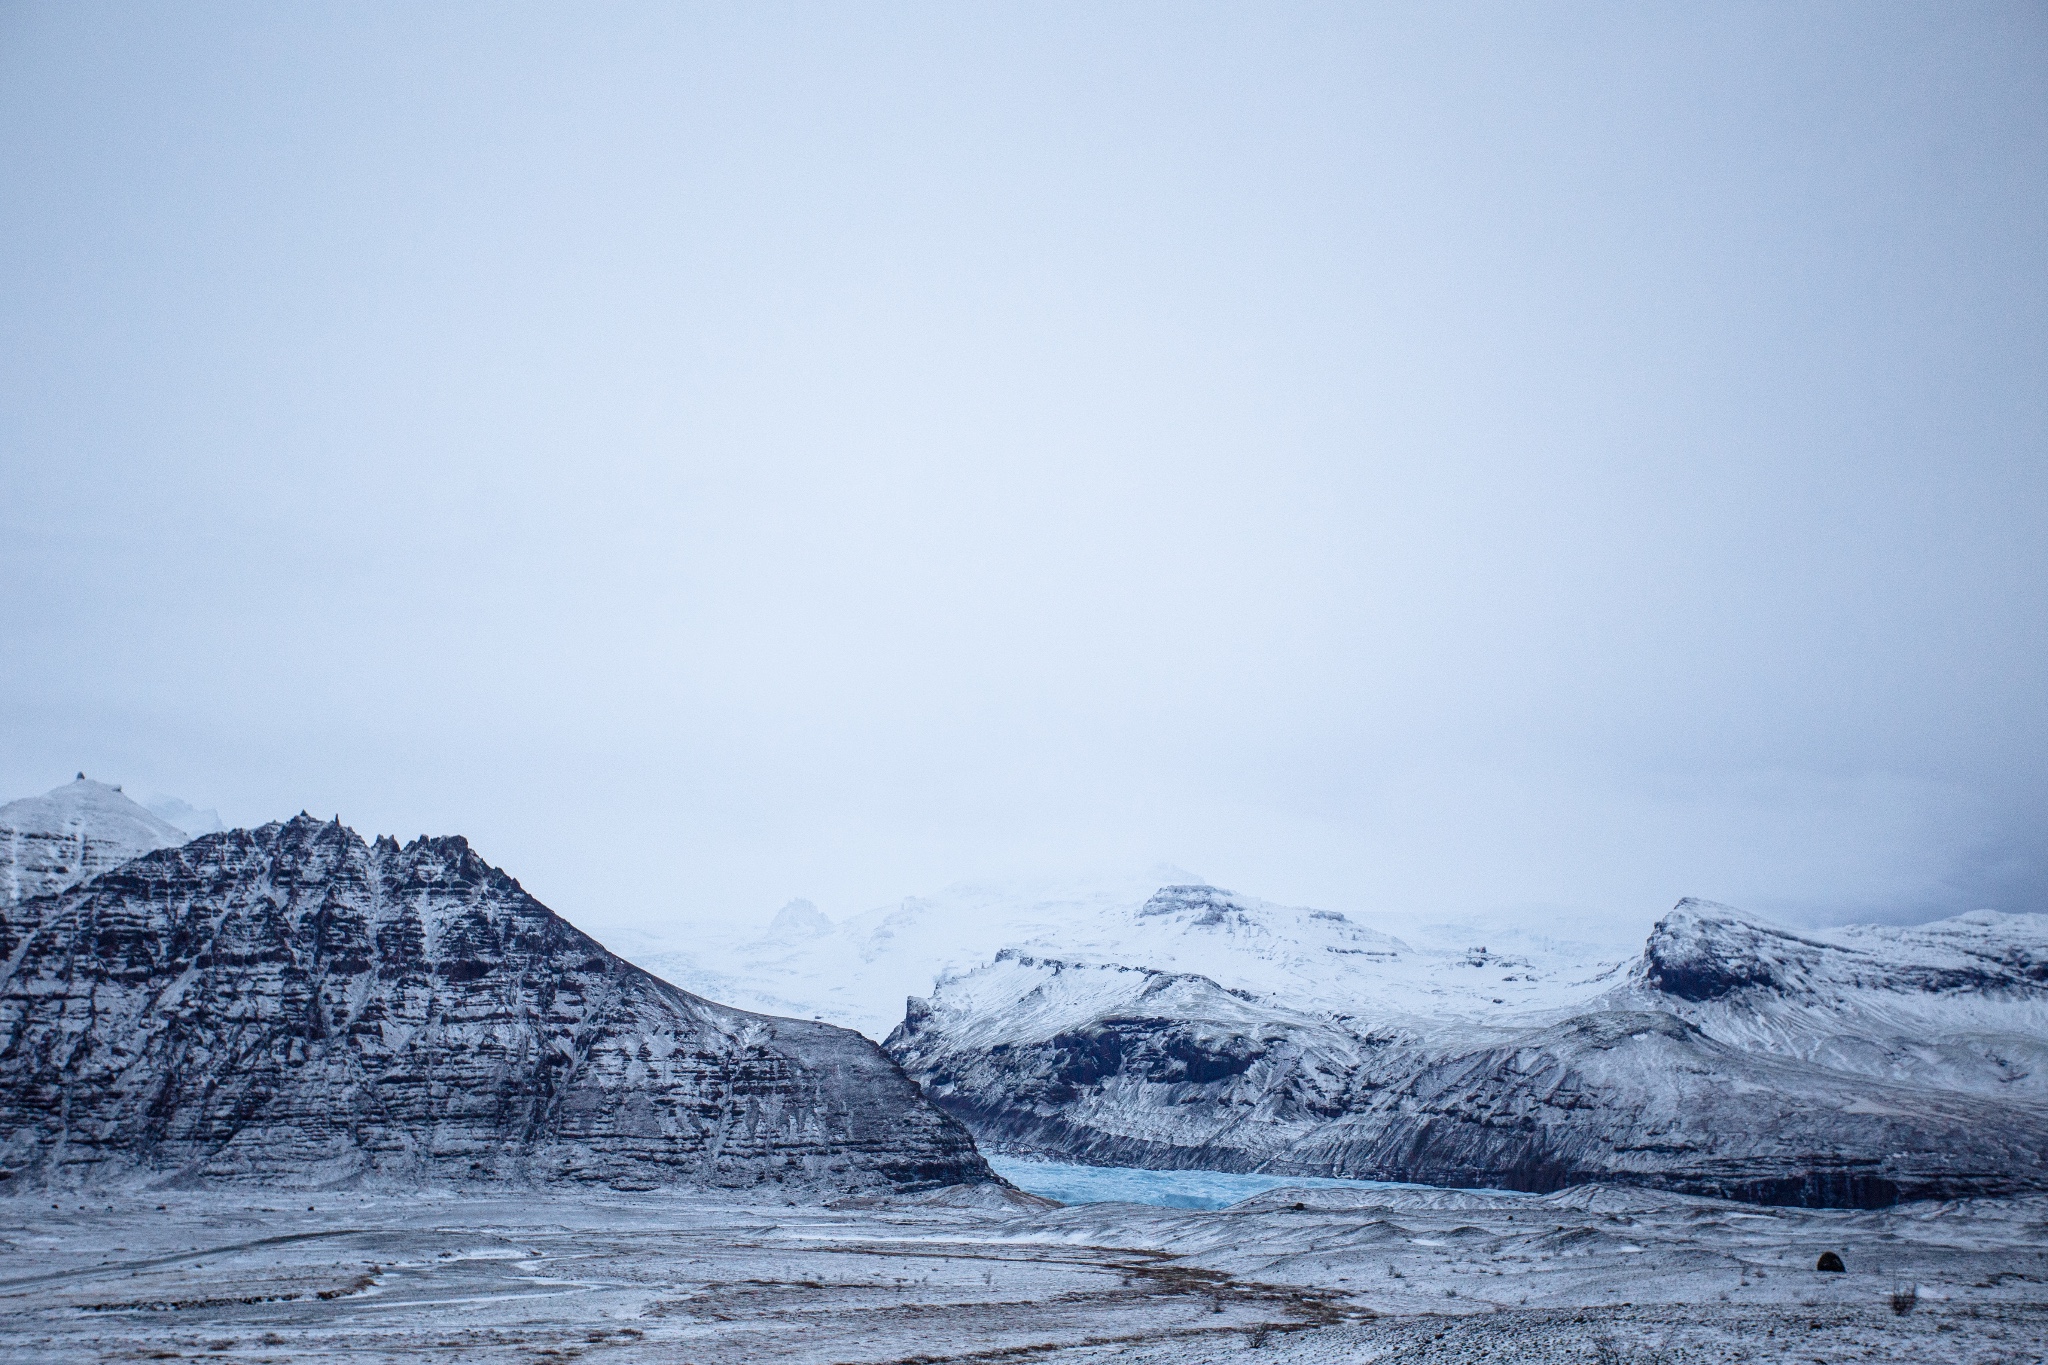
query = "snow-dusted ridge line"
x=1732 y=1059
x=1176 y=1025
x=1958 y=1004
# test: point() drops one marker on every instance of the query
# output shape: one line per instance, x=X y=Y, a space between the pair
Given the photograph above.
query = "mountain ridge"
x=293 y=1004
x=1119 y=1063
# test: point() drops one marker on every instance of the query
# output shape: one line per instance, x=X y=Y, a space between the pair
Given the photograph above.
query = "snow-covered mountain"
x=1960 y=1004
x=1733 y=1058
x=859 y=971
x=290 y=1003
x=72 y=832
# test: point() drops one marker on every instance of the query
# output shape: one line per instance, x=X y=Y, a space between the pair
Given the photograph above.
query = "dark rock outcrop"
x=292 y=1004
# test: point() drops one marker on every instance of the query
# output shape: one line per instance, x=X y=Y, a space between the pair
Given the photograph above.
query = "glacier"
x=858 y=971
x=1731 y=1059
x=1094 y=1024
x=1167 y=1188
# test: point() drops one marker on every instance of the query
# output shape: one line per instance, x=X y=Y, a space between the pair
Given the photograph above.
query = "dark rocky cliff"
x=292 y=1004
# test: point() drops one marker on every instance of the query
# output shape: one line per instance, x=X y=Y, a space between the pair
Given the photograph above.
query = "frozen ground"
x=1292 y=1275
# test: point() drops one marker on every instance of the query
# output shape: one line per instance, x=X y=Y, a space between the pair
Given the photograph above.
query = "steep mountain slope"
x=1959 y=1004
x=290 y=1003
x=72 y=832
x=1122 y=1064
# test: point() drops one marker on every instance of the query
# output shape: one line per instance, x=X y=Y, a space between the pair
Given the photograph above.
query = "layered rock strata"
x=292 y=1004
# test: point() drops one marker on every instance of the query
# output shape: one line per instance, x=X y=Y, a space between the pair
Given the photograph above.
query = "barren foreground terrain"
x=972 y=1275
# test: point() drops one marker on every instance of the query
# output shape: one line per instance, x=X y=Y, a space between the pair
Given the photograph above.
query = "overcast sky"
x=1513 y=462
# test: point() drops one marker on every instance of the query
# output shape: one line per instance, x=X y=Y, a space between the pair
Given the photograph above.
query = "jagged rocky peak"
x=293 y=1004
x=72 y=832
x=799 y=920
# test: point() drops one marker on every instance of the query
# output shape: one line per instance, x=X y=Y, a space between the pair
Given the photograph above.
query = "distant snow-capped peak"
x=98 y=809
x=72 y=832
x=185 y=816
x=858 y=971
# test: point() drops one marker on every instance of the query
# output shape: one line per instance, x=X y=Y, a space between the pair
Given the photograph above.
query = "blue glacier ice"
x=1165 y=1189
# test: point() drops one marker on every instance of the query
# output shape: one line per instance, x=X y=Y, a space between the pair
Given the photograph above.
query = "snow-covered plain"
x=1297 y=1275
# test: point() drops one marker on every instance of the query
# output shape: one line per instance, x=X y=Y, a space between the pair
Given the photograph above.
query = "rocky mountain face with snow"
x=1960 y=1004
x=76 y=831
x=293 y=1004
x=1732 y=1059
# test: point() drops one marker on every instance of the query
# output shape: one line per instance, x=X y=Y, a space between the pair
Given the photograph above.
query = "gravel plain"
x=1594 y=1274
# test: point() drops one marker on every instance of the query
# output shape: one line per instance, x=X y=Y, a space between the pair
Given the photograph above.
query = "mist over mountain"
x=184 y=815
x=1192 y=684
x=1080 y=1020
x=858 y=970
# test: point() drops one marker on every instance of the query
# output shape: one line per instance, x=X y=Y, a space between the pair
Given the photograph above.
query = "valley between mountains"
x=1192 y=1027
x=511 y=1140
x=296 y=1003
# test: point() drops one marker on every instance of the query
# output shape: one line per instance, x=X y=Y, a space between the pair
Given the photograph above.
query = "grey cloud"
x=1497 y=463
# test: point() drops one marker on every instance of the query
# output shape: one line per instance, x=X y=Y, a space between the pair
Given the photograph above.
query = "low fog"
x=1510 y=465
